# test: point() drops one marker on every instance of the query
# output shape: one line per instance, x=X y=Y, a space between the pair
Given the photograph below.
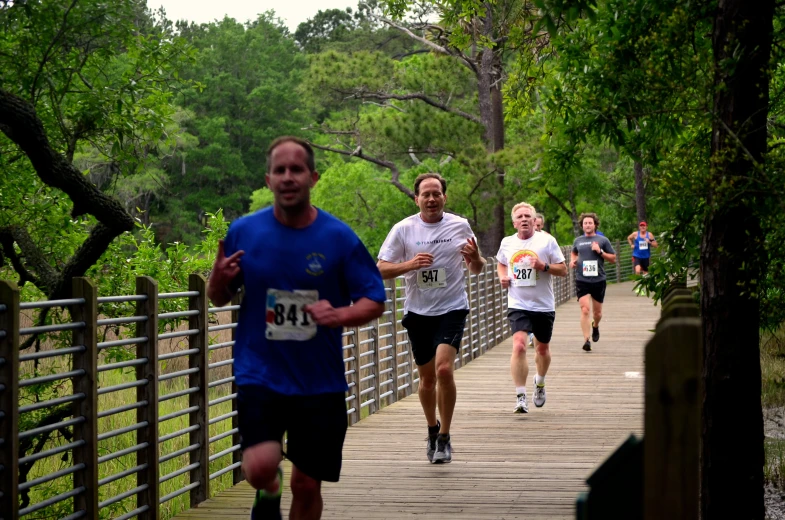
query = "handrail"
x=185 y=369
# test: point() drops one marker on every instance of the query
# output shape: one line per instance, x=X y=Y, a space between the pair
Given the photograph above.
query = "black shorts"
x=643 y=262
x=596 y=289
x=539 y=323
x=428 y=332
x=315 y=427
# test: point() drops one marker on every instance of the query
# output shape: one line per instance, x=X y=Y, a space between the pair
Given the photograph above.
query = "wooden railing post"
x=199 y=379
x=9 y=400
x=353 y=379
x=618 y=261
x=237 y=455
x=86 y=384
x=148 y=287
x=672 y=417
x=393 y=330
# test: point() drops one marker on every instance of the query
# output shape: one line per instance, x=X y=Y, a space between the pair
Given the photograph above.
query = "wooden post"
x=146 y=286
x=672 y=417
x=87 y=384
x=373 y=344
x=199 y=379
x=618 y=261
x=9 y=400
x=394 y=342
x=354 y=377
x=237 y=455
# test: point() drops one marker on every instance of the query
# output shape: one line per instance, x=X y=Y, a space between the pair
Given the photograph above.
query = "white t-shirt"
x=440 y=288
x=530 y=290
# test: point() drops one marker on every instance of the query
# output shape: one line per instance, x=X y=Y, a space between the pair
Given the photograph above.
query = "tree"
x=74 y=74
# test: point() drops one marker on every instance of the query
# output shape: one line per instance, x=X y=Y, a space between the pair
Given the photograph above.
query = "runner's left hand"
x=470 y=250
x=323 y=313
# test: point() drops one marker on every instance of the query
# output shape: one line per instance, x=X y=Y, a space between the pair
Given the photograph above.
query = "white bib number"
x=590 y=268
x=643 y=245
x=286 y=319
x=432 y=278
x=523 y=274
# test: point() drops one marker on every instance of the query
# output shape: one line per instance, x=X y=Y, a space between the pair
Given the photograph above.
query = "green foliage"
x=243 y=95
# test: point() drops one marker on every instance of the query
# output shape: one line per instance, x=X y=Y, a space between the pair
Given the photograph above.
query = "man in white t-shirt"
x=526 y=262
x=429 y=249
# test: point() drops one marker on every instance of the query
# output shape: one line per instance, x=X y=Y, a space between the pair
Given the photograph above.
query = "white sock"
x=539 y=380
x=520 y=390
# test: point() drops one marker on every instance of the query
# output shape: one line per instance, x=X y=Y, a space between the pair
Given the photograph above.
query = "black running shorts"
x=596 y=289
x=540 y=323
x=426 y=333
x=643 y=262
x=315 y=427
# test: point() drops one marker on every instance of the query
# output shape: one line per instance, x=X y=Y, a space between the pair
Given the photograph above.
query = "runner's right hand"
x=225 y=269
x=421 y=260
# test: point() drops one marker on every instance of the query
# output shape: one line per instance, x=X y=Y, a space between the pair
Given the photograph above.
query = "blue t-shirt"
x=637 y=252
x=327 y=256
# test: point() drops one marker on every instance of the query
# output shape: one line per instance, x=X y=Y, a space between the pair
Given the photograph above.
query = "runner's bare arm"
x=361 y=312
x=391 y=270
x=504 y=276
x=631 y=237
x=608 y=257
x=559 y=269
x=471 y=253
x=573 y=259
x=653 y=241
x=223 y=273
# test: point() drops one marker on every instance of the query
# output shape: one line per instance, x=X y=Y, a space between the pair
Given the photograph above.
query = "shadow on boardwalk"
x=504 y=465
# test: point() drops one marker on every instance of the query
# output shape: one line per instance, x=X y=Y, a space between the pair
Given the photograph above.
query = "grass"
x=52 y=464
x=772 y=364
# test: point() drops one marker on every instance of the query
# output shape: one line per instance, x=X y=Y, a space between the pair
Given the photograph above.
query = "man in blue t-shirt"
x=641 y=242
x=306 y=275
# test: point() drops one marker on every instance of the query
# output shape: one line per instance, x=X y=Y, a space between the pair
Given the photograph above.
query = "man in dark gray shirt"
x=589 y=254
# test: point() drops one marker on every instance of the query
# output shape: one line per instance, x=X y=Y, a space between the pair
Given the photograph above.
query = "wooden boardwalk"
x=504 y=465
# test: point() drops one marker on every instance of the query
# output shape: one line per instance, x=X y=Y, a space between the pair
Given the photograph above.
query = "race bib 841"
x=286 y=320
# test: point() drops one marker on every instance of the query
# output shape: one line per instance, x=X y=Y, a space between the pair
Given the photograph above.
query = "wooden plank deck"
x=505 y=466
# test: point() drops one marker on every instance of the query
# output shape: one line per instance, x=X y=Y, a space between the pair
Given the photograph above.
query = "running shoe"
x=443 y=453
x=430 y=447
x=587 y=346
x=267 y=506
x=521 y=406
x=531 y=339
x=595 y=333
x=539 y=395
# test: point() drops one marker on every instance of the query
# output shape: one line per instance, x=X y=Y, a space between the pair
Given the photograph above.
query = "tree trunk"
x=732 y=422
x=640 y=192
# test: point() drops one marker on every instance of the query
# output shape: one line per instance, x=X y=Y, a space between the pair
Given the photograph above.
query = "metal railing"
x=121 y=426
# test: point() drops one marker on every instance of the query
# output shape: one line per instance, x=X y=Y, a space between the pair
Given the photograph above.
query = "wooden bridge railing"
x=123 y=417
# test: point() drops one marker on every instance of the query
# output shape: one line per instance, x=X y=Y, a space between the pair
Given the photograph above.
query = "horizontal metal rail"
x=51 y=353
x=122 y=364
x=50 y=427
x=122 y=386
x=221 y=345
x=177 y=354
x=50 y=403
x=51 y=501
x=178 y=433
x=224 y=435
x=175 y=454
x=178 y=413
x=177 y=314
x=121 y=321
x=179 y=393
x=224 y=452
x=224 y=309
x=50 y=378
x=24 y=486
x=117 y=476
x=121 y=409
x=121 y=453
x=120 y=431
x=222 y=417
x=178 y=472
x=178 y=334
x=122 y=496
x=181 y=373
x=131 y=514
x=184 y=294
x=41 y=329
x=216 y=328
x=219 y=382
x=179 y=492
x=50 y=453
x=222 y=399
x=122 y=299
x=227 y=469
x=121 y=342
x=45 y=304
